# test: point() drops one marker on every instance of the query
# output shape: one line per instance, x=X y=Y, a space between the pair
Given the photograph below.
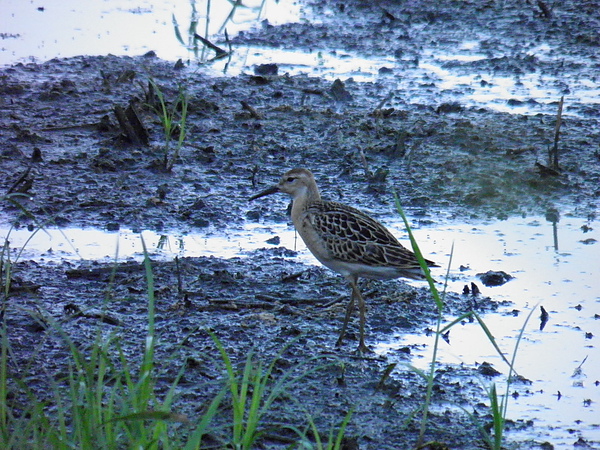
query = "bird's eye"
x=290 y=179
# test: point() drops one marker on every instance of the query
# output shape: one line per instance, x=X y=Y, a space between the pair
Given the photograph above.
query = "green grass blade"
x=459 y=319
x=498 y=418
x=490 y=337
x=342 y=431
x=145 y=381
x=195 y=440
x=176 y=29
x=417 y=251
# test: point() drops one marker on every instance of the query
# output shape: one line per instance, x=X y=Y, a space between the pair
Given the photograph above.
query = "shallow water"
x=74 y=28
x=553 y=269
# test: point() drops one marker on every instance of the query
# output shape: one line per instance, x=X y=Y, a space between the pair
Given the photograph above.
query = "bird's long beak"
x=268 y=191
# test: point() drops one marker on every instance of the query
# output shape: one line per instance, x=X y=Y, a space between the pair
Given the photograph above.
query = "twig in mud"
x=545 y=12
x=399 y=148
x=379 y=112
x=584 y=360
x=21 y=179
x=310 y=91
x=292 y=276
x=340 y=299
x=384 y=101
x=255 y=170
x=131 y=124
x=363 y=158
x=553 y=156
x=228 y=42
x=253 y=112
x=91 y=125
x=543 y=170
x=386 y=374
x=220 y=53
x=178 y=271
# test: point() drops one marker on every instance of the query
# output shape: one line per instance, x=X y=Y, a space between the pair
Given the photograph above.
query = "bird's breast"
x=312 y=238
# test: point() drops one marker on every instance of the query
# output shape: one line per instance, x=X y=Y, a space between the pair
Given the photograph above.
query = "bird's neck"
x=303 y=199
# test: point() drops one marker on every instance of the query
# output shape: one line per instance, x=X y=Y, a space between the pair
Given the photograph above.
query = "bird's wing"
x=352 y=236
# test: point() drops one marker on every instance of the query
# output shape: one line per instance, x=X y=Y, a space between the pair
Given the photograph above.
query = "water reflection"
x=72 y=27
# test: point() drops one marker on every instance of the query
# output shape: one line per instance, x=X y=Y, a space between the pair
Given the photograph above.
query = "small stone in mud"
x=338 y=92
x=494 y=278
x=36 y=155
x=544 y=317
x=275 y=240
x=451 y=107
x=514 y=102
x=446 y=337
x=198 y=205
x=200 y=222
x=162 y=191
x=113 y=226
x=61 y=221
x=488 y=370
x=266 y=69
x=259 y=80
x=552 y=215
x=253 y=215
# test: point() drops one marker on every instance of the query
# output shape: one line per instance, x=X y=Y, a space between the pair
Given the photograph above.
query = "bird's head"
x=295 y=182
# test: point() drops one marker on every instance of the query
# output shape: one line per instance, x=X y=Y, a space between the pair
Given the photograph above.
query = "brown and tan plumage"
x=345 y=239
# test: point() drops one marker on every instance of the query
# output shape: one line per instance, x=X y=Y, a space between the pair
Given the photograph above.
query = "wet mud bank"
x=64 y=149
x=266 y=304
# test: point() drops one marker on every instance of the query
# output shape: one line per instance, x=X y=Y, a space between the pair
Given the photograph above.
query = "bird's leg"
x=349 y=309
x=362 y=348
x=356 y=295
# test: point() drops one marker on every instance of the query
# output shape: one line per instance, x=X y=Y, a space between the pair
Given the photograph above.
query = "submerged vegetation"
x=204 y=52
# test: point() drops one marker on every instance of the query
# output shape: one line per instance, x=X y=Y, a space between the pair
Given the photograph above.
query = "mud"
x=62 y=146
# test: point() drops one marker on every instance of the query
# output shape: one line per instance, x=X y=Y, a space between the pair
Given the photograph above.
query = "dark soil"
x=62 y=146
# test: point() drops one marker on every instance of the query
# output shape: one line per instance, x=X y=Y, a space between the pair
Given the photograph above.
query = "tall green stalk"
x=439 y=302
x=498 y=407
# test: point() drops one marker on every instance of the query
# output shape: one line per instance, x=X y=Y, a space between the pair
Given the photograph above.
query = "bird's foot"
x=363 y=349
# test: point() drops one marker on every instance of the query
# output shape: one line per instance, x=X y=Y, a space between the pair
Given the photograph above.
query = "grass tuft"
x=173 y=119
x=104 y=400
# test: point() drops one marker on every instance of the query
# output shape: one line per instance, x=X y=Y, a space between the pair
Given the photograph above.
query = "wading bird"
x=346 y=240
